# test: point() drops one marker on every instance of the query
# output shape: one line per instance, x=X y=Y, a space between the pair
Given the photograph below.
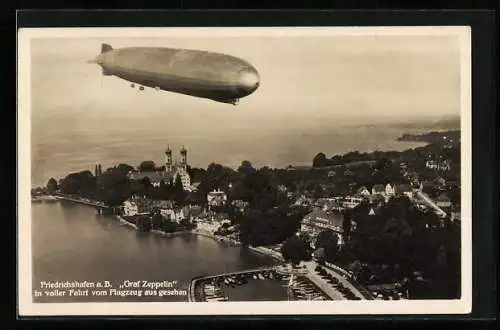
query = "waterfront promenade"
x=325 y=286
x=81 y=201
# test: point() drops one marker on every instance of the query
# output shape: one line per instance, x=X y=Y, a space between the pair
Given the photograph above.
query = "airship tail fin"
x=106 y=48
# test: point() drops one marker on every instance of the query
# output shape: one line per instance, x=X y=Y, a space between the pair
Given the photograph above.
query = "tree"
x=168 y=226
x=81 y=183
x=320 y=160
x=328 y=240
x=179 y=194
x=246 y=167
x=147 y=166
x=346 y=224
x=156 y=219
x=124 y=168
x=52 y=186
x=320 y=256
x=318 y=192
x=296 y=249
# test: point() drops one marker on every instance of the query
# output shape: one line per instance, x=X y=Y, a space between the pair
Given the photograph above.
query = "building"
x=351 y=201
x=331 y=173
x=438 y=165
x=328 y=204
x=140 y=206
x=363 y=191
x=169 y=173
x=240 y=205
x=389 y=190
x=318 y=221
x=216 y=198
x=443 y=201
x=173 y=214
x=403 y=189
x=282 y=188
x=98 y=170
x=129 y=208
x=455 y=215
x=378 y=189
x=302 y=200
x=377 y=199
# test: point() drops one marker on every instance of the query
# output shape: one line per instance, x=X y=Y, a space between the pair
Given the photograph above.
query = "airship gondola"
x=219 y=77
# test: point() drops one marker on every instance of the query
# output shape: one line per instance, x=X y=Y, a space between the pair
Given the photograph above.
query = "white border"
x=28 y=308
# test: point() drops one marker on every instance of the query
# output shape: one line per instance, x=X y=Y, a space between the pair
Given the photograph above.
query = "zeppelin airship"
x=219 y=77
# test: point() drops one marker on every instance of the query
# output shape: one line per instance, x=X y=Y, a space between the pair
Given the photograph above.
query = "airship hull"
x=215 y=76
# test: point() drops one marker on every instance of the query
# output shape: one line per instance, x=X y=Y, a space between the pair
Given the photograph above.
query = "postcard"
x=244 y=171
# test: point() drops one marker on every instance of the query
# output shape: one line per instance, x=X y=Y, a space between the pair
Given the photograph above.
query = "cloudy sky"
x=307 y=77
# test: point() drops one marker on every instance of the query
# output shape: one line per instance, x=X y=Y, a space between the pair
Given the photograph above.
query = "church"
x=167 y=174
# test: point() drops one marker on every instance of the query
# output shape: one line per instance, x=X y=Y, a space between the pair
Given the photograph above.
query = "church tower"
x=184 y=159
x=168 y=160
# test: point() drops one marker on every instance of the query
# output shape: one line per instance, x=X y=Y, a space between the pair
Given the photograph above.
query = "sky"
x=305 y=80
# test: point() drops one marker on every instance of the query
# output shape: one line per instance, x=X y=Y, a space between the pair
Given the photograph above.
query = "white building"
x=129 y=208
x=438 y=165
x=216 y=198
x=172 y=214
x=318 y=221
x=352 y=201
x=389 y=190
x=185 y=178
x=363 y=191
x=378 y=189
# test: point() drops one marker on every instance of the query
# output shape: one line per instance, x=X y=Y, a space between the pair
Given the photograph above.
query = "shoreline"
x=127 y=223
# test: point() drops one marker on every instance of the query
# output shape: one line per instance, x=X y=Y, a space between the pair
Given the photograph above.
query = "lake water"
x=71 y=243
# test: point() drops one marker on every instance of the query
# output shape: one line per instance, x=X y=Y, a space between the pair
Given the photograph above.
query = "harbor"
x=231 y=286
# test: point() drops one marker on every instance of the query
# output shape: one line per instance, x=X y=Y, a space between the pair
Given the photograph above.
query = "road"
x=327 y=287
x=430 y=202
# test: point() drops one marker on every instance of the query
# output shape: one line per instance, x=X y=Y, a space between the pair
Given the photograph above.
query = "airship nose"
x=248 y=80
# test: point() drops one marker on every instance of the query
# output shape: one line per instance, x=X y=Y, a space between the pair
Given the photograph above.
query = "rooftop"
x=333 y=218
x=152 y=176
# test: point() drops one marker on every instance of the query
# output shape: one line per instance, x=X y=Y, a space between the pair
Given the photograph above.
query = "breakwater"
x=192 y=286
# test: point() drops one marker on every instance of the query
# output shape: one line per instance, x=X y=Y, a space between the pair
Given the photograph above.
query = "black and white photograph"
x=283 y=170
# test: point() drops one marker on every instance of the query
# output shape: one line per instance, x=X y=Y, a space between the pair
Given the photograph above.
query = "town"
x=389 y=220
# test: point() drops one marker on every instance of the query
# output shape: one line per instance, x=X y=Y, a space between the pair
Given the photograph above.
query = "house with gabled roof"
x=363 y=191
x=389 y=190
x=378 y=189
